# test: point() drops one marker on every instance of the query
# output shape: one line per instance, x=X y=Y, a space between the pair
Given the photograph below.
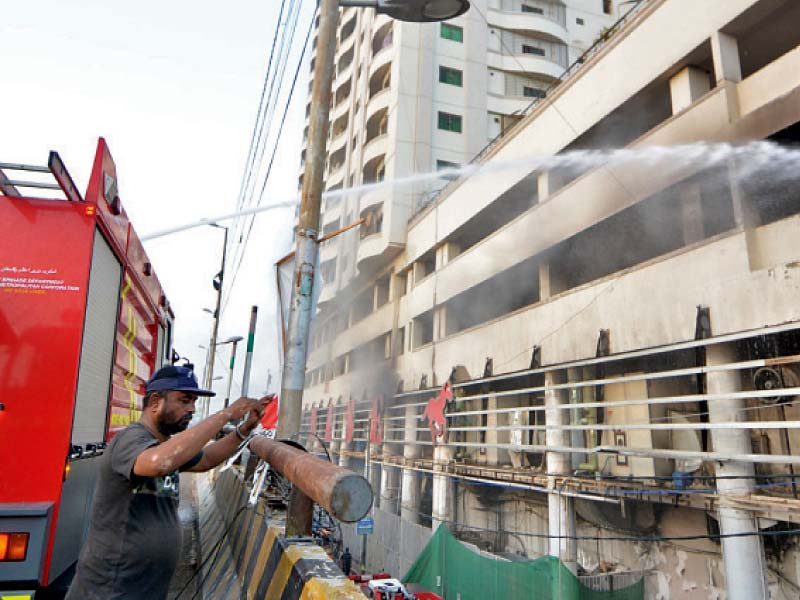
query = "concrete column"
x=445 y=253
x=576 y=439
x=492 y=455
x=543 y=186
x=550 y=281
x=409 y=494
x=444 y=322
x=560 y=509
x=725 y=52
x=745 y=567
x=389 y=488
x=442 y=487
x=333 y=450
x=686 y=86
x=344 y=458
x=692 y=214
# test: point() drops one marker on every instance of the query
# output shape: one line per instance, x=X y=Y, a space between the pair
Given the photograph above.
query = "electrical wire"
x=272 y=158
x=266 y=109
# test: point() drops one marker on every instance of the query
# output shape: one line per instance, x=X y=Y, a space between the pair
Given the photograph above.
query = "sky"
x=174 y=88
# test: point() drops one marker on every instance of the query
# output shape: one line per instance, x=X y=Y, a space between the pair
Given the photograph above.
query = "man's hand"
x=242 y=406
x=256 y=413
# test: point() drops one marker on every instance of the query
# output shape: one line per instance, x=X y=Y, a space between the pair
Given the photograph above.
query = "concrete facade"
x=689 y=266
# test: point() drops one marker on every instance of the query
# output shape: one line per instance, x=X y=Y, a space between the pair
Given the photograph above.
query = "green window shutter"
x=451 y=32
x=448 y=122
x=451 y=76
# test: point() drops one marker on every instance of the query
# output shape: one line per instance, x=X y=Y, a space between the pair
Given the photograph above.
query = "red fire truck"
x=84 y=322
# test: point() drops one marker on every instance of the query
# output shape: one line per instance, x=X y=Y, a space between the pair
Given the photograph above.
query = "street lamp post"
x=300 y=307
x=234 y=341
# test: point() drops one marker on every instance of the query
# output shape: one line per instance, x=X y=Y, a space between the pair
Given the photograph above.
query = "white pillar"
x=692 y=214
x=686 y=86
x=725 y=52
x=442 y=487
x=409 y=494
x=560 y=509
x=745 y=567
x=344 y=457
x=389 y=488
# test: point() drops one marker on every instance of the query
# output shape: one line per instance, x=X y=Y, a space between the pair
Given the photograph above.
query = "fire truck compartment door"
x=33 y=518
x=97 y=349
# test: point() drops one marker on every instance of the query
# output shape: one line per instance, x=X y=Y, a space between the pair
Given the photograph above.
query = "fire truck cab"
x=84 y=322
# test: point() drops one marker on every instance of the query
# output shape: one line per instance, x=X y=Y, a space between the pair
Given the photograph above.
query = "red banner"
x=376 y=420
x=435 y=413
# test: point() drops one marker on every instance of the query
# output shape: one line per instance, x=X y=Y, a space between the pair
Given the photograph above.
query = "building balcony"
x=374 y=148
x=522 y=21
x=336 y=172
x=375 y=251
x=373 y=197
x=379 y=101
x=340 y=109
x=343 y=76
x=382 y=57
x=507 y=105
x=327 y=294
x=527 y=64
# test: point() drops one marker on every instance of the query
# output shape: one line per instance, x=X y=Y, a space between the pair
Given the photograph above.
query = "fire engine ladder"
x=55 y=167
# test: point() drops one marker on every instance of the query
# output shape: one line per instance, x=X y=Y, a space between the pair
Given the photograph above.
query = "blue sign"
x=365 y=526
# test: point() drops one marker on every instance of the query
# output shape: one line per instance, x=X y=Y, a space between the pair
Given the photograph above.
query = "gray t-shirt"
x=134 y=536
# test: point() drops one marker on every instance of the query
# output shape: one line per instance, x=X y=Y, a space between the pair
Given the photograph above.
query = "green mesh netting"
x=452 y=570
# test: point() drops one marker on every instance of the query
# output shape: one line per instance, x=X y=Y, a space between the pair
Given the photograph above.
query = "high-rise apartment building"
x=413 y=98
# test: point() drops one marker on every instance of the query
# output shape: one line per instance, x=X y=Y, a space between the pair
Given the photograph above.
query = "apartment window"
x=579 y=21
x=452 y=32
x=532 y=9
x=450 y=122
x=608 y=7
x=451 y=76
x=446 y=164
x=532 y=50
x=532 y=92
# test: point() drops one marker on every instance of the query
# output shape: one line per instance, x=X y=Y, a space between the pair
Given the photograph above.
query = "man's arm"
x=167 y=457
x=218 y=451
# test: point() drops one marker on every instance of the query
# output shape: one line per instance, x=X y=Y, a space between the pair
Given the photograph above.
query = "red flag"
x=434 y=413
x=270 y=418
x=376 y=420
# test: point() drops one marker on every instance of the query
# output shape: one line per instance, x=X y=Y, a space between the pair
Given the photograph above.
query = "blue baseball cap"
x=180 y=379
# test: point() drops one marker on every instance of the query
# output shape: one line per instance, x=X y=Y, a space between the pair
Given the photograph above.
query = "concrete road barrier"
x=243 y=556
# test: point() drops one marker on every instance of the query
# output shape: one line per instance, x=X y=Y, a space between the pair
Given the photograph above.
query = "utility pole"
x=212 y=346
x=294 y=370
x=248 y=357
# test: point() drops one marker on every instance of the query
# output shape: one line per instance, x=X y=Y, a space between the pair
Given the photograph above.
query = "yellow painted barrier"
x=244 y=557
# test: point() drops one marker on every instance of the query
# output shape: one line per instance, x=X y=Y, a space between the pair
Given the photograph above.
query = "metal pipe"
x=307 y=252
x=346 y=496
x=248 y=357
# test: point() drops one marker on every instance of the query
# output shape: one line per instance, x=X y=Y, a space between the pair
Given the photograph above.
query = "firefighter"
x=134 y=541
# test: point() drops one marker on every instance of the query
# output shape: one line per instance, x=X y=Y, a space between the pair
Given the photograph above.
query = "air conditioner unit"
x=776 y=378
